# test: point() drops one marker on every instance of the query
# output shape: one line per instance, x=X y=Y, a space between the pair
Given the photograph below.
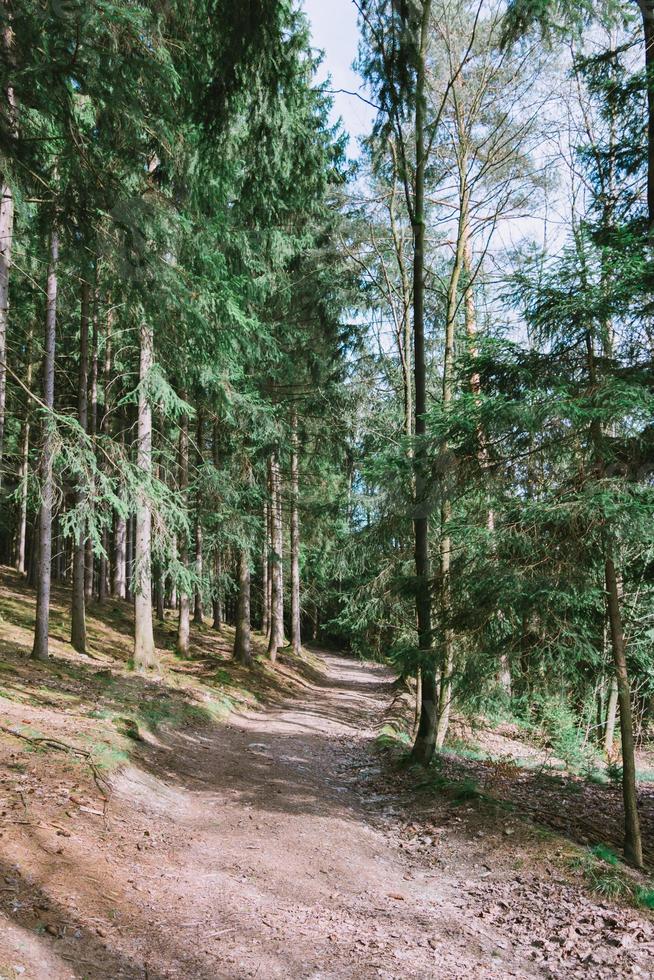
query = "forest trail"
x=250 y=852
x=261 y=848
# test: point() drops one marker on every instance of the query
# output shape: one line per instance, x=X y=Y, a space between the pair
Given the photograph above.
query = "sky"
x=335 y=31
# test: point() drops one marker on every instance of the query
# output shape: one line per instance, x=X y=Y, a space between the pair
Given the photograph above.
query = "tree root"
x=101 y=783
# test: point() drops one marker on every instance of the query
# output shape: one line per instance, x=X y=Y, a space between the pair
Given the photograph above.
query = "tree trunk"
x=93 y=429
x=184 y=621
x=57 y=552
x=21 y=543
x=159 y=593
x=120 y=558
x=611 y=712
x=242 y=640
x=6 y=240
x=423 y=748
x=633 y=848
x=21 y=550
x=43 y=572
x=198 y=611
x=647 y=11
x=269 y=575
x=131 y=555
x=296 y=612
x=145 y=656
x=78 y=611
x=120 y=540
x=217 y=603
x=32 y=565
x=265 y=570
x=403 y=326
x=452 y=308
x=277 y=604
x=104 y=576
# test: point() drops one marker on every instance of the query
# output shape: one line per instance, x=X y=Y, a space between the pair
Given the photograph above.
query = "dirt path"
x=275 y=869
x=257 y=849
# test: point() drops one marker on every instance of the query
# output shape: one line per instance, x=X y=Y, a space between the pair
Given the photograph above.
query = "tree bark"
x=296 y=611
x=611 y=711
x=447 y=655
x=277 y=604
x=647 y=12
x=120 y=542
x=104 y=576
x=633 y=848
x=242 y=640
x=265 y=572
x=217 y=602
x=159 y=593
x=404 y=320
x=145 y=656
x=120 y=558
x=184 y=621
x=89 y=560
x=269 y=593
x=198 y=611
x=21 y=550
x=425 y=742
x=6 y=241
x=44 y=571
x=78 y=610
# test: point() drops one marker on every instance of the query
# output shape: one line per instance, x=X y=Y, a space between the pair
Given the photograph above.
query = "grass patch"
x=465 y=791
x=605 y=875
x=465 y=750
x=604 y=853
x=224 y=677
x=458 y=790
x=108 y=758
x=391 y=737
x=599 y=778
x=172 y=712
x=645 y=897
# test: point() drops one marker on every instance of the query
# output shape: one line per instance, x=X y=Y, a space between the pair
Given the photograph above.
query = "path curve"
x=268 y=860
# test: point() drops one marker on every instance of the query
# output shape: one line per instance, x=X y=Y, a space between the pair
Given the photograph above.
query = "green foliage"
x=645 y=897
x=614 y=772
x=603 y=875
x=560 y=727
x=390 y=738
x=465 y=791
x=606 y=854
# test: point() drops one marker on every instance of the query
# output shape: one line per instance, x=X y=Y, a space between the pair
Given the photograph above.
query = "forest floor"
x=255 y=824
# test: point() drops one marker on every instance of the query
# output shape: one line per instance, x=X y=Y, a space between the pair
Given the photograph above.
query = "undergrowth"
x=604 y=873
x=391 y=737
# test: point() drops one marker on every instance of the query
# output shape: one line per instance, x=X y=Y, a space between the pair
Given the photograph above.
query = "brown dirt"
x=274 y=845
x=537 y=784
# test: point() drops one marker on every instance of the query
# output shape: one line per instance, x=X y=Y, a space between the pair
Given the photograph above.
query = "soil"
x=258 y=849
x=283 y=843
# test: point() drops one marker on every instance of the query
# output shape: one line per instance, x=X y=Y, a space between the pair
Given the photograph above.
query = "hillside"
x=238 y=824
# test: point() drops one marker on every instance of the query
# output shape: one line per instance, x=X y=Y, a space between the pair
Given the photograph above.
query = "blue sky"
x=335 y=31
